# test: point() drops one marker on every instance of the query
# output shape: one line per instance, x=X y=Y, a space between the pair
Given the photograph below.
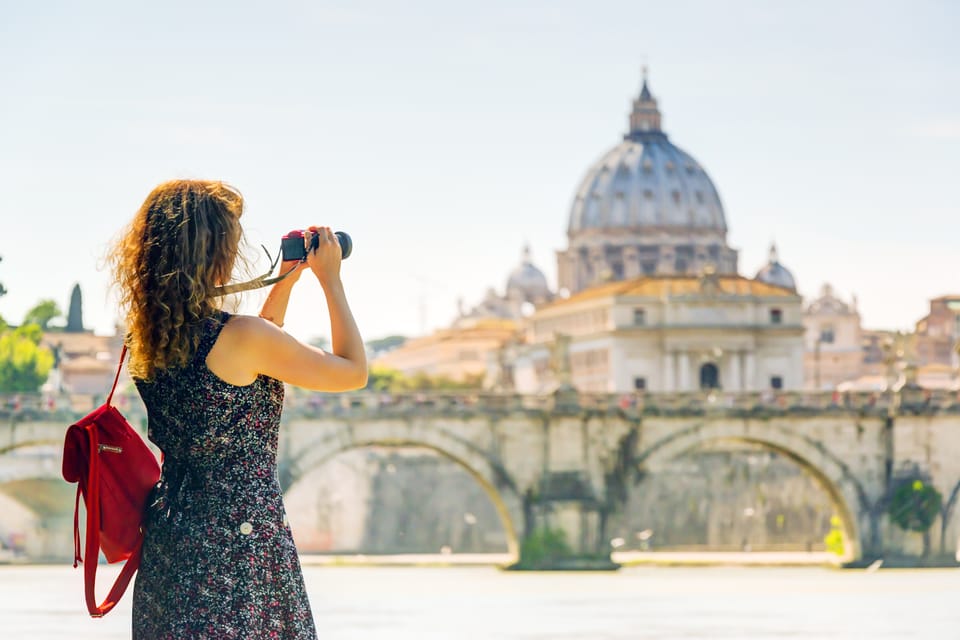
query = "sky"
x=446 y=136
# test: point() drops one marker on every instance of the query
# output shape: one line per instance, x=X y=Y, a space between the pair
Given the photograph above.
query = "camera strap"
x=258 y=282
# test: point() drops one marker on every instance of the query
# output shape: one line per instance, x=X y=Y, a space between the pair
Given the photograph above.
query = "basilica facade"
x=649 y=295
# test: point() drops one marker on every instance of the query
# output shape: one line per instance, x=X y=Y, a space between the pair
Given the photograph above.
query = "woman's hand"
x=324 y=261
x=294 y=268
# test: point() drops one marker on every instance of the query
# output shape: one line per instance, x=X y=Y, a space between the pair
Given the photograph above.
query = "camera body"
x=291 y=245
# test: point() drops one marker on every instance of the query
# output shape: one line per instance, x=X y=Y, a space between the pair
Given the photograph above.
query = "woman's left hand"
x=296 y=266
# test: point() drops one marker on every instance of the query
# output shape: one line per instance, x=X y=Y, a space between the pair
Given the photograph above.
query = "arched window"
x=709 y=376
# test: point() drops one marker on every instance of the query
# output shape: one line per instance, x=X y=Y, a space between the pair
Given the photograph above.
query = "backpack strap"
x=123 y=354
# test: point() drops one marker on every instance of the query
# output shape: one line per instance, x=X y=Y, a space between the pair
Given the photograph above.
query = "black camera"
x=291 y=245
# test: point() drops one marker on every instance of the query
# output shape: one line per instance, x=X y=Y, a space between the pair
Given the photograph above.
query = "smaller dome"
x=829 y=304
x=775 y=273
x=527 y=282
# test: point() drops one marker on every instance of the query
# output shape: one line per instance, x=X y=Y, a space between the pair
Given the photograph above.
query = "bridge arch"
x=845 y=491
x=950 y=522
x=483 y=467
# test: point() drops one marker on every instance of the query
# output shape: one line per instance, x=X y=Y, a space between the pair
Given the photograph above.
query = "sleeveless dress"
x=219 y=559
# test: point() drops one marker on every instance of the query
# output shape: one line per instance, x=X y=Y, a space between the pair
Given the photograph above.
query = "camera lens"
x=346 y=243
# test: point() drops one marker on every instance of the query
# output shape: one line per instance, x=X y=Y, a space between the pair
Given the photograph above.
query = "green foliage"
x=382 y=379
x=834 y=539
x=543 y=547
x=42 y=313
x=915 y=505
x=393 y=381
x=24 y=364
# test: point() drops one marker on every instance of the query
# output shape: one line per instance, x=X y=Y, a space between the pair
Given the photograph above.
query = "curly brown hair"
x=180 y=245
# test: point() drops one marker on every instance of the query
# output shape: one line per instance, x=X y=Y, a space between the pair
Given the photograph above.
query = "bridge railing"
x=26 y=406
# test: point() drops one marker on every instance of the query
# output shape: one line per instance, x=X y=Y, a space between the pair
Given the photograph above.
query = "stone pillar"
x=666 y=265
x=736 y=383
x=598 y=264
x=684 y=366
x=668 y=372
x=631 y=263
x=750 y=372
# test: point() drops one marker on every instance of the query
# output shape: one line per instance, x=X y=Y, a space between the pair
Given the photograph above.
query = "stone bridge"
x=566 y=461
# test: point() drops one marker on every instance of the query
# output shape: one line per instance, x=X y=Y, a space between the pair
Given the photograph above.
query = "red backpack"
x=115 y=472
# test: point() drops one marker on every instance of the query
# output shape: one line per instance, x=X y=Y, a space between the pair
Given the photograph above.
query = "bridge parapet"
x=299 y=404
x=742 y=405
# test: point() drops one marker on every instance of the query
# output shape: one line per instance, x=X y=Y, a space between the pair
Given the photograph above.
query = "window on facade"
x=648 y=194
x=776 y=382
x=676 y=196
x=669 y=166
x=699 y=197
x=639 y=316
x=680 y=265
x=640 y=384
x=776 y=316
x=826 y=334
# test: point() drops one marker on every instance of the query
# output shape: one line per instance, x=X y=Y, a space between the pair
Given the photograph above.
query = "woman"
x=218 y=557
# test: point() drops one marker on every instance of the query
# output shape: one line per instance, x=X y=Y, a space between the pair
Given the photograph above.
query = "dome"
x=527 y=282
x=775 y=273
x=646 y=208
x=646 y=182
x=829 y=304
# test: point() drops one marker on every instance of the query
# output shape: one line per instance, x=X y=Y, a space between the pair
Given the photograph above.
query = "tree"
x=75 y=312
x=24 y=364
x=914 y=506
x=42 y=313
x=391 y=380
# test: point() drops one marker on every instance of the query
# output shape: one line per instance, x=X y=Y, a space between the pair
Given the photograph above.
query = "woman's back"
x=199 y=420
x=219 y=559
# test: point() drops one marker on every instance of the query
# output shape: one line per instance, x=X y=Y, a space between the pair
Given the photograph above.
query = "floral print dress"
x=218 y=560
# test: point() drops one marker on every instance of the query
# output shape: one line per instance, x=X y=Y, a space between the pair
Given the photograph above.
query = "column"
x=684 y=358
x=750 y=373
x=734 y=383
x=631 y=263
x=668 y=372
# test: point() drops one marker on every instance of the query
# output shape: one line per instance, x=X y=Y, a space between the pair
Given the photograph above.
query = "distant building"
x=668 y=334
x=650 y=297
x=833 y=341
x=655 y=300
x=938 y=333
x=458 y=353
x=84 y=363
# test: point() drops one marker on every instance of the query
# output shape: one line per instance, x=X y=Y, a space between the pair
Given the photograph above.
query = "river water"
x=467 y=603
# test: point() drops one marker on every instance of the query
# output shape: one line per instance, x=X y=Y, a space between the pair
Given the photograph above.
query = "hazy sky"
x=445 y=135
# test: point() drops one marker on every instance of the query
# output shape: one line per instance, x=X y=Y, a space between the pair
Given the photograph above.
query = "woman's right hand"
x=325 y=260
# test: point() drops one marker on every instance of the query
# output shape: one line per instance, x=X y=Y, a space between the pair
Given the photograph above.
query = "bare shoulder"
x=234 y=356
x=242 y=327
